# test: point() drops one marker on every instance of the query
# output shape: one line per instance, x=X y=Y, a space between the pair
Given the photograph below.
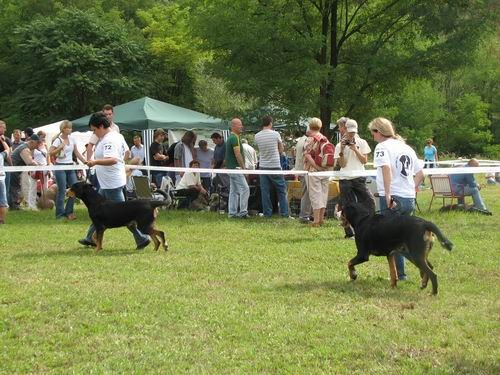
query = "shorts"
x=3 y=194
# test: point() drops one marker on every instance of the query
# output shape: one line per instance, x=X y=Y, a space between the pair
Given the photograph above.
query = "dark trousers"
x=355 y=190
x=15 y=190
x=206 y=182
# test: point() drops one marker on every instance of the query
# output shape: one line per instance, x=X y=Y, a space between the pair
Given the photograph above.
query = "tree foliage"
x=75 y=61
x=325 y=56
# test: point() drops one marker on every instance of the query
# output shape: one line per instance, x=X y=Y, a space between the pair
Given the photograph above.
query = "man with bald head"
x=238 y=186
x=466 y=183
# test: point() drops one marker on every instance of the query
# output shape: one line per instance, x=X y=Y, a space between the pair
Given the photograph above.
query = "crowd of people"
x=399 y=171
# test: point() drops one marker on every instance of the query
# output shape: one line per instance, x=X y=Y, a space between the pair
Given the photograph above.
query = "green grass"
x=254 y=296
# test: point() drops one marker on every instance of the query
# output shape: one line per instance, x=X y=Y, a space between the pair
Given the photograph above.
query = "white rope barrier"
x=356 y=173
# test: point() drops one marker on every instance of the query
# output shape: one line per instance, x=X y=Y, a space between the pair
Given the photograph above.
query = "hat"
x=35 y=138
x=159 y=131
x=351 y=126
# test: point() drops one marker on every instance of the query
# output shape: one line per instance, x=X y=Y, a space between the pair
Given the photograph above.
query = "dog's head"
x=352 y=213
x=79 y=190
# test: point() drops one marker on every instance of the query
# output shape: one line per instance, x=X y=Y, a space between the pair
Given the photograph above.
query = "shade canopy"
x=147 y=113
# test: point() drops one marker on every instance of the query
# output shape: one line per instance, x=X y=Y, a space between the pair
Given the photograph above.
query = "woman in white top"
x=62 y=150
x=398 y=172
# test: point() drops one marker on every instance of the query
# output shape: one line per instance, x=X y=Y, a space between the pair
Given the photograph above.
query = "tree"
x=175 y=53
x=330 y=56
x=75 y=61
x=468 y=132
x=420 y=112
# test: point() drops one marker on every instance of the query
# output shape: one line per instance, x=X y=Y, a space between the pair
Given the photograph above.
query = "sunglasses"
x=374 y=130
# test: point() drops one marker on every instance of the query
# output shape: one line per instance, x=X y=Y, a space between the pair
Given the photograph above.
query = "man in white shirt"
x=351 y=154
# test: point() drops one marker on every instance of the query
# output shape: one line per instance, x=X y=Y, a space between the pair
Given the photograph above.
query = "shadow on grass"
x=79 y=252
x=368 y=288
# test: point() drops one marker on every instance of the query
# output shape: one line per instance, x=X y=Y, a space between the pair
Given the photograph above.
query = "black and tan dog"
x=386 y=235
x=105 y=214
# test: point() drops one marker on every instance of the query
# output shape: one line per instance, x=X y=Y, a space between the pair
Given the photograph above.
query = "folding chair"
x=142 y=187
x=441 y=188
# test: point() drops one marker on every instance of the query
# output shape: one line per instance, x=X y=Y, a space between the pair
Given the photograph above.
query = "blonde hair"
x=429 y=141
x=383 y=126
x=315 y=124
x=63 y=125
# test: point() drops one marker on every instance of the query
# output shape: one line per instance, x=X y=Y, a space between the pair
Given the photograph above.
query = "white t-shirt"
x=188 y=156
x=189 y=179
x=112 y=145
x=94 y=138
x=40 y=156
x=404 y=165
x=352 y=161
x=66 y=154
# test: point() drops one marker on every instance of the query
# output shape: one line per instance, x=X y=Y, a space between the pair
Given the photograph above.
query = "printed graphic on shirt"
x=404 y=165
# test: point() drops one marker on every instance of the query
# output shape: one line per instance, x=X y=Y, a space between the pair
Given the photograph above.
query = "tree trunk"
x=329 y=33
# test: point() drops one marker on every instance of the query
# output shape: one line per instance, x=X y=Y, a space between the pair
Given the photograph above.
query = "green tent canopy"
x=147 y=113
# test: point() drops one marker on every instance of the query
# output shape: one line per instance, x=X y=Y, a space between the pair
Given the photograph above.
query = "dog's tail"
x=445 y=242
x=155 y=204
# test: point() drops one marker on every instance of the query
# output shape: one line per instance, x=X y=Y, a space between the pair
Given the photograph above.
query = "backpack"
x=323 y=153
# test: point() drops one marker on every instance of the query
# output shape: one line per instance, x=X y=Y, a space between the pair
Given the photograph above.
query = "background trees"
x=431 y=66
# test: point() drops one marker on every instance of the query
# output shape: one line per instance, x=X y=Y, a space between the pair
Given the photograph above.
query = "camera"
x=348 y=142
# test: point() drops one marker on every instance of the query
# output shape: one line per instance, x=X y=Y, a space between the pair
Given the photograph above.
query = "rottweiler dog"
x=381 y=235
x=105 y=214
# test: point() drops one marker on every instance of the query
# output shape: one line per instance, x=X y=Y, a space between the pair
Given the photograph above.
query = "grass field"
x=244 y=296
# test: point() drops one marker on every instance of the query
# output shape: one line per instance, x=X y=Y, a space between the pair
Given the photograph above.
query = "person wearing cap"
x=109 y=163
x=21 y=157
x=351 y=154
x=398 y=173
x=158 y=156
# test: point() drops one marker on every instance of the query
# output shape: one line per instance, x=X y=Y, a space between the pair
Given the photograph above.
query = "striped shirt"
x=267 y=141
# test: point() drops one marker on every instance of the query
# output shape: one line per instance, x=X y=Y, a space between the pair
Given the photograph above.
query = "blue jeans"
x=476 y=197
x=265 y=192
x=404 y=206
x=64 y=179
x=157 y=177
x=7 y=187
x=116 y=195
x=238 y=195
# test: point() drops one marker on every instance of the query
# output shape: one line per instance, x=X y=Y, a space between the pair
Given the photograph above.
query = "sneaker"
x=288 y=217
x=71 y=217
x=86 y=242
x=143 y=244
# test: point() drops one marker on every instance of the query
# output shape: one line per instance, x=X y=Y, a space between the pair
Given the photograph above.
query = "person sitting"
x=190 y=186
x=465 y=183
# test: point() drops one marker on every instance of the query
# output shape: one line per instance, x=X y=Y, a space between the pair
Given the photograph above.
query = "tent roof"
x=147 y=113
